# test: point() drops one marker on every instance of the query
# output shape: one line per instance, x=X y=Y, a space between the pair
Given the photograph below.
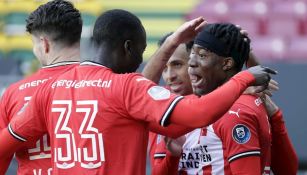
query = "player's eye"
x=177 y=65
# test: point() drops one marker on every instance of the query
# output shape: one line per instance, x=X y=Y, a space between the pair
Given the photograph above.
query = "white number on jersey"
x=42 y=148
x=86 y=131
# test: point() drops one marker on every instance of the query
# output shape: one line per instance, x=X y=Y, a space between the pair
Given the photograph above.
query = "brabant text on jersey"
x=82 y=83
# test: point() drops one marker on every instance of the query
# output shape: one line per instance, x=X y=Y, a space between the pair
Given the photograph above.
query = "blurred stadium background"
x=278 y=29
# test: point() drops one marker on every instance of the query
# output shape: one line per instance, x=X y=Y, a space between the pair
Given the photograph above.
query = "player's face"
x=136 y=53
x=205 y=70
x=175 y=73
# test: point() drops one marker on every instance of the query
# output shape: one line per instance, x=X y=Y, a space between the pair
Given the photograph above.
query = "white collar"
x=61 y=64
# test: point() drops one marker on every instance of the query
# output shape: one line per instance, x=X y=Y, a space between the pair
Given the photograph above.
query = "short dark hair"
x=116 y=26
x=234 y=41
x=188 y=45
x=58 y=19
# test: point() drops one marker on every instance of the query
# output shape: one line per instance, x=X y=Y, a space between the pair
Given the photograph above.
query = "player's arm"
x=282 y=146
x=246 y=166
x=172 y=130
x=4 y=120
x=209 y=108
x=281 y=143
x=159 y=105
x=8 y=145
x=252 y=60
x=162 y=161
x=186 y=32
x=165 y=166
x=27 y=125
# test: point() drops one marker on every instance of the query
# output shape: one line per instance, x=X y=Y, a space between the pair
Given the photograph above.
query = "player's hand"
x=262 y=76
x=270 y=106
x=175 y=145
x=187 y=31
x=256 y=90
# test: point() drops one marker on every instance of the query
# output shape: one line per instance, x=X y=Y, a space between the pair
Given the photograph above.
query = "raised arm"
x=158 y=60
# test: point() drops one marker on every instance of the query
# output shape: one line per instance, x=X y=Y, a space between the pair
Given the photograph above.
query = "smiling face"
x=175 y=73
x=205 y=70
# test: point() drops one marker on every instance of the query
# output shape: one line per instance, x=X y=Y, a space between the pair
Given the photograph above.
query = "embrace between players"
x=56 y=128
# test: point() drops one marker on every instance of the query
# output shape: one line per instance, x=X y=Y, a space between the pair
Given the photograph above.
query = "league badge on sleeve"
x=241 y=134
x=159 y=93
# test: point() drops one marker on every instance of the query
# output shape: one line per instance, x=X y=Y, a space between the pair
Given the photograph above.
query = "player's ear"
x=45 y=44
x=228 y=63
x=127 y=46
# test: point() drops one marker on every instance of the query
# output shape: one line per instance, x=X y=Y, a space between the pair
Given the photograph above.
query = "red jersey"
x=34 y=157
x=97 y=120
x=243 y=131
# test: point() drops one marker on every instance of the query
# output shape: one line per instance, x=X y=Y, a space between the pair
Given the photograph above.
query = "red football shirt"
x=33 y=158
x=97 y=120
x=243 y=131
x=90 y=109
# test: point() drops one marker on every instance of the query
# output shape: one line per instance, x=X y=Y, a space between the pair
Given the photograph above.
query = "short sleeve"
x=29 y=122
x=158 y=148
x=146 y=101
x=238 y=131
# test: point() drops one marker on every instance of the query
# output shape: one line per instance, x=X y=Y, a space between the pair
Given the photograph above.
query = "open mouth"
x=175 y=86
x=196 y=80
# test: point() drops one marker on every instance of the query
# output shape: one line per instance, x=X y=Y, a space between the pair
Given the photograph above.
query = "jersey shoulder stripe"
x=16 y=136
x=166 y=115
x=159 y=155
x=244 y=154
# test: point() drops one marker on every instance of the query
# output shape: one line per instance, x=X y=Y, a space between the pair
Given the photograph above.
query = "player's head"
x=218 y=53
x=53 y=26
x=175 y=73
x=120 y=40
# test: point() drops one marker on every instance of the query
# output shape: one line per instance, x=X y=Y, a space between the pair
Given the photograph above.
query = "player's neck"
x=104 y=56
x=64 y=55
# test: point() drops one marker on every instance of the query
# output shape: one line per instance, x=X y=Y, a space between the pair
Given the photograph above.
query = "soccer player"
x=175 y=74
x=55 y=28
x=176 y=77
x=239 y=143
x=97 y=113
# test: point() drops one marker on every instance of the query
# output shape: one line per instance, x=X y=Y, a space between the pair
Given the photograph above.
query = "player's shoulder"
x=251 y=101
x=245 y=109
x=133 y=78
x=28 y=82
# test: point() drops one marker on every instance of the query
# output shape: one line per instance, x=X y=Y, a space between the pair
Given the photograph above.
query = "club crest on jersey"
x=241 y=134
x=159 y=93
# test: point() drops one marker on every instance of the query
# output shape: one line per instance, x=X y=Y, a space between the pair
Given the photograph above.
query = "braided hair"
x=236 y=44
